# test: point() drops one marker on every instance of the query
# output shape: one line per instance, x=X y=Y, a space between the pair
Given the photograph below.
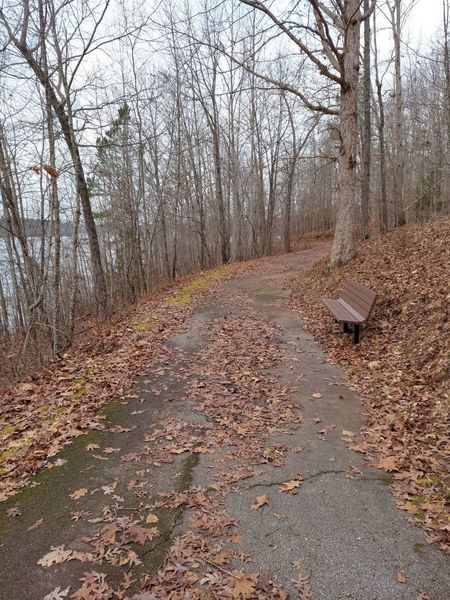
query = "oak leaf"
x=57 y=594
x=14 y=512
x=260 y=501
x=388 y=463
x=35 y=525
x=110 y=450
x=243 y=585
x=91 y=447
x=348 y=433
x=290 y=486
x=236 y=538
x=78 y=493
x=57 y=555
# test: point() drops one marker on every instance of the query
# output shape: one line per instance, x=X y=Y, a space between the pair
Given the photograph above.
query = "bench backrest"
x=359 y=297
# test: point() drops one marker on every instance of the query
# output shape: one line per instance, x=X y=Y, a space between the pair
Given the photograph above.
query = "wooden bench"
x=354 y=307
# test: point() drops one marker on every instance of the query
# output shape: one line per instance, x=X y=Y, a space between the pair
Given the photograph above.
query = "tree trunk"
x=367 y=128
x=343 y=248
x=399 y=145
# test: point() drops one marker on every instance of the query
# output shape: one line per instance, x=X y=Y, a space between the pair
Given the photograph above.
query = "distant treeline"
x=33 y=228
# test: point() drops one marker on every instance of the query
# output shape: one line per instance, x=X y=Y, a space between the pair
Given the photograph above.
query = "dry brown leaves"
x=241 y=406
x=402 y=367
x=40 y=416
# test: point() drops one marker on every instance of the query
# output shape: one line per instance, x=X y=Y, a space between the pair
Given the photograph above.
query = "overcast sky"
x=425 y=19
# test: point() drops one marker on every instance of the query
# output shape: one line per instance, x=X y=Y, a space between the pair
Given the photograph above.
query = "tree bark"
x=367 y=129
x=343 y=249
x=399 y=144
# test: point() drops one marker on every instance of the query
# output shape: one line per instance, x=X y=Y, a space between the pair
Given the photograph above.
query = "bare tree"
x=336 y=34
x=57 y=83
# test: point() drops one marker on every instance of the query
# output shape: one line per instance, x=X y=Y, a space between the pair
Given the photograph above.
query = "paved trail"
x=339 y=531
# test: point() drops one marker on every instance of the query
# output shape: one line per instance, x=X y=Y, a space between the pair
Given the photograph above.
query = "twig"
x=213 y=564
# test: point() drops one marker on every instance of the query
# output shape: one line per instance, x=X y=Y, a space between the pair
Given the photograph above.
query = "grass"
x=187 y=292
x=143 y=326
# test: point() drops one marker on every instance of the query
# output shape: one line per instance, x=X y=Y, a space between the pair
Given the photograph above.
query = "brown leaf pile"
x=402 y=367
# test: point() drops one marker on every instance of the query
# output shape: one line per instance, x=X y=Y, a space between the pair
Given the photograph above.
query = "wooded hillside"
x=402 y=368
x=172 y=139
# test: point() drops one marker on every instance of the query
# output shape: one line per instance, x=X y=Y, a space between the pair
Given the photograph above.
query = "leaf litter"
x=241 y=405
x=401 y=369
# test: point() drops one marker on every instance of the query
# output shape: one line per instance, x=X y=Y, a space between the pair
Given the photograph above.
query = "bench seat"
x=342 y=311
x=354 y=307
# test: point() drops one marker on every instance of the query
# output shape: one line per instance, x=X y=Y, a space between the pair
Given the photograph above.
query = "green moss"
x=186 y=293
x=420 y=515
x=168 y=519
x=428 y=480
x=143 y=326
x=7 y=430
x=416 y=500
x=82 y=391
x=386 y=478
x=45 y=481
x=418 y=547
x=7 y=454
x=111 y=408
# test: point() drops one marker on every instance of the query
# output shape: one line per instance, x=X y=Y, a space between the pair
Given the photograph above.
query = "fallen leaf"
x=290 y=486
x=401 y=577
x=279 y=517
x=78 y=493
x=236 y=538
x=348 y=433
x=14 y=512
x=222 y=558
x=326 y=429
x=260 y=501
x=243 y=584
x=151 y=518
x=57 y=594
x=388 y=463
x=56 y=555
x=109 y=489
x=91 y=447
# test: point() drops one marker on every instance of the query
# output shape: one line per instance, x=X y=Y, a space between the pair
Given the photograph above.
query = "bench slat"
x=360 y=290
x=363 y=296
x=362 y=307
x=340 y=312
x=360 y=297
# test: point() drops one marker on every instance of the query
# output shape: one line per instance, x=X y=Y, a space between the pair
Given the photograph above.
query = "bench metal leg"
x=346 y=329
x=356 y=333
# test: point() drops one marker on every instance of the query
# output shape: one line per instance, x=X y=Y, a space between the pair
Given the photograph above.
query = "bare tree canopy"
x=141 y=142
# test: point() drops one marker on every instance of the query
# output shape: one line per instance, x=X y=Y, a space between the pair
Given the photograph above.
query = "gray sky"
x=425 y=19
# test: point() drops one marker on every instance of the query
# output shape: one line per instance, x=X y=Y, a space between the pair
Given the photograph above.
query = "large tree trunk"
x=343 y=248
x=367 y=129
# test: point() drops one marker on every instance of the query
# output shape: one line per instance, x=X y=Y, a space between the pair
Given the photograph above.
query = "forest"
x=224 y=299
x=184 y=136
